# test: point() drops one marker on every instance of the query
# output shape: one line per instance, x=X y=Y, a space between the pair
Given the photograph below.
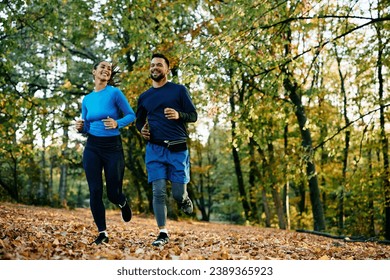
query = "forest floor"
x=41 y=233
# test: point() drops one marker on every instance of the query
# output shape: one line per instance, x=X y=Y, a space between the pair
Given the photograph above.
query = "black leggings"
x=104 y=153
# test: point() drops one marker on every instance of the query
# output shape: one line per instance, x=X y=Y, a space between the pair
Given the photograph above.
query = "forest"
x=292 y=98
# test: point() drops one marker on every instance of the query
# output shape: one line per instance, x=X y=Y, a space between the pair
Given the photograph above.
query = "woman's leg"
x=114 y=168
x=93 y=171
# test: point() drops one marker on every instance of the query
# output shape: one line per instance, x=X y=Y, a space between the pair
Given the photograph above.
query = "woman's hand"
x=110 y=123
x=79 y=125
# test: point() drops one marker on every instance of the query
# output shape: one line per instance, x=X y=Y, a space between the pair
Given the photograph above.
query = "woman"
x=104 y=111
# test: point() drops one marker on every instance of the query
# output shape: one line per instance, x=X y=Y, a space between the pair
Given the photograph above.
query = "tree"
x=382 y=42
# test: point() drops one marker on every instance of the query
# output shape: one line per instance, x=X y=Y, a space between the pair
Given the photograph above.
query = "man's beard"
x=157 y=78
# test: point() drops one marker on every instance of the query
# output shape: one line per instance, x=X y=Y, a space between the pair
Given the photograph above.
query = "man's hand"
x=145 y=131
x=171 y=114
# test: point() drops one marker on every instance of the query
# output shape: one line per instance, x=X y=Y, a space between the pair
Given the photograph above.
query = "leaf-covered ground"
x=39 y=233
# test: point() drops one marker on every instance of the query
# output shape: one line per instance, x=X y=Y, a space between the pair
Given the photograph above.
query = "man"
x=162 y=114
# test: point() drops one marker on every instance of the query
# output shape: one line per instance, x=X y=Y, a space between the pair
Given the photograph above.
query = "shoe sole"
x=159 y=243
x=103 y=241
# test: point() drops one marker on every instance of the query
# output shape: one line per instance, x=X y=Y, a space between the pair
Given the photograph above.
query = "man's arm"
x=188 y=117
x=140 y=118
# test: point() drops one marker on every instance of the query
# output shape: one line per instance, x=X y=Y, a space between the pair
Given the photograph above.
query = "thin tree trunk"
x=318 y=213
x=63 y=184
x=64 y=170
x=51 y=183
x=41 y=195
x=275 y=190
x=384 y=140
x=200 y=185
x=237 y=166
x=347 y=136
x=15 y=188
x=266 y=208
x=371 y=209
x=252 y=182
x=291 y=87
x=286 y=189
x=262 y=174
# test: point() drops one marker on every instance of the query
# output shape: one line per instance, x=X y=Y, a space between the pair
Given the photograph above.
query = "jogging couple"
x=162 y=114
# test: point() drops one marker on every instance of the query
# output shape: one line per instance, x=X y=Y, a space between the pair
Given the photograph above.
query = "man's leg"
x=180 y=194
x=159 y=202
x=160 y=210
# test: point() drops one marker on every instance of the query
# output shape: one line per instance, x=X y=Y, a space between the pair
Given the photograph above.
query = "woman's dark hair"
x=159 y=55
x=114 y=70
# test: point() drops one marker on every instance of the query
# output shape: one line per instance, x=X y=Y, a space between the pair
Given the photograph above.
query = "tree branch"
x=347 y=125
x=288 y=20
x=321 y=45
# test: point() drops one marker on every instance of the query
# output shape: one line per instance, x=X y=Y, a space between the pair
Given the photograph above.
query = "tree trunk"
x=286 y=188
x=200 y=201
x=262 y=174
x=384 y=140
x=254 y=215
x=51 y=182
x=13 y=190
x=266 y=208
x=64 y=169
x=237 y=166
x=41 y=194
x=318 y=213
x=340 y=207
x=291 y=88
x=63 y=184
x=371 y=209
x=240 y=181
x=275 y=189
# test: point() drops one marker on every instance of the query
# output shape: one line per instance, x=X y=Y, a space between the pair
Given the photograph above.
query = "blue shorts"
x=161 y=163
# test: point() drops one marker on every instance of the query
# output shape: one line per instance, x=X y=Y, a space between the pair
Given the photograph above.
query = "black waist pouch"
x=176 y=145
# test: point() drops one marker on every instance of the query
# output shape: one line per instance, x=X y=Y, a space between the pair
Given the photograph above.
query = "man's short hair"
x=159 y=55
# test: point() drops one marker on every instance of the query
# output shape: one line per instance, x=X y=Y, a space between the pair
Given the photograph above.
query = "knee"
x=159 y=190
x=95 y=193
x=179 y=192
x=112 y=198
x=179 y=197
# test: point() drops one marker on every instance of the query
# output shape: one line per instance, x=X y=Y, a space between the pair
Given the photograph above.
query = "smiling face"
x=158 y=69
x=102 y=71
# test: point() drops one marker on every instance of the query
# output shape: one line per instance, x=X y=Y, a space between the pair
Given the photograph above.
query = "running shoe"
x=126 y=211
x=102 y=238
x=187 y=206
x=161 y=240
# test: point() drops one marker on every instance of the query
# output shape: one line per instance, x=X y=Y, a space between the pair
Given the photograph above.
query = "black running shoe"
x=102 y=238
x=161 y=240
x=126 y=212
x=187 y=206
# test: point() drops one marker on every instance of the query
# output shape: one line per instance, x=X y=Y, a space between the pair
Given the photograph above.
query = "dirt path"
x=39 y=233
